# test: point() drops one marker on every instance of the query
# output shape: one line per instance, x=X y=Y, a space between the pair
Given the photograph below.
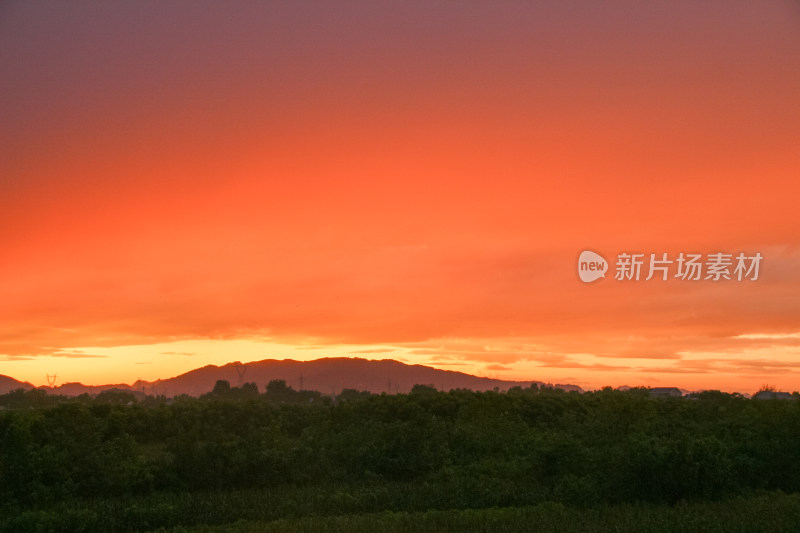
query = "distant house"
x=666 y=392
x=772 y=395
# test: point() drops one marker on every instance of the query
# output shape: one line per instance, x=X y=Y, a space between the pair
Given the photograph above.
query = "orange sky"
x=193 y=183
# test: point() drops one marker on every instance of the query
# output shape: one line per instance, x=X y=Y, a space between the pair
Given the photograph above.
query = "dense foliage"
x=303 y=454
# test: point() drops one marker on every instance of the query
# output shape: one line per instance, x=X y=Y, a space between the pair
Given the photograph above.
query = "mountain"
x=7 y=384
x=76 y=389
x=328 y=375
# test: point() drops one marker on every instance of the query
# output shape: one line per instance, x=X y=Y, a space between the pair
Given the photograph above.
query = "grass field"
x=774 y=512
x=252 y=510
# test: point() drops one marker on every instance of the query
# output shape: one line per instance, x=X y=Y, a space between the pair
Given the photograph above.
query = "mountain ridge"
x=328 y=375
x=7 y=384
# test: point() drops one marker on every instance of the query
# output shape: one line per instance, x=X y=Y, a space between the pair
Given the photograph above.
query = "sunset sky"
x=192 y=183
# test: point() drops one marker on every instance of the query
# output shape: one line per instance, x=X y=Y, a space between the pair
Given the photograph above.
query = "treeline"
x=451 y=450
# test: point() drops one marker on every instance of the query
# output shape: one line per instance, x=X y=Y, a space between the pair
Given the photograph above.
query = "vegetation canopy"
x=137 y=465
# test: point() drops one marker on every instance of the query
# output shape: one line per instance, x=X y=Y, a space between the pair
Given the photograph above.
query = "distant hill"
x=328 y=376
x=7 y=384
x=76 y=389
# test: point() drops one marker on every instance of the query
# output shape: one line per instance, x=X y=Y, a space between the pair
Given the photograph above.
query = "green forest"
x=277 y=459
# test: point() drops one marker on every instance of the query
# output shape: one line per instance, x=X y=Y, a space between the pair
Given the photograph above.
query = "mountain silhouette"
x=327 y=375
x=7 y=384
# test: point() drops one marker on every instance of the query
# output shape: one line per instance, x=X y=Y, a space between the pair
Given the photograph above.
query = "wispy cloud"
x=77 y=354
x=769 y=336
